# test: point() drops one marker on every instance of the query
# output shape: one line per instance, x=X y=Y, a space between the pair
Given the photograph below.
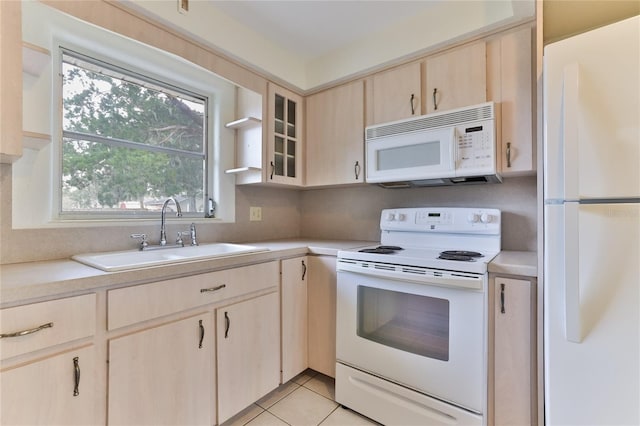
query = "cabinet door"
x=517 y=144
x=248 y=336
x=397 y=93
x=285 y=130
x=322 y=314
x=58 y=390
x=164 y=375
x=293 y=296
x=514 y=344
x=457 y=78
x=335 y=136
x=10 y=81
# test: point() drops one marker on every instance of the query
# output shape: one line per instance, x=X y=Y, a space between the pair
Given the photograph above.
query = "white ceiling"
x=308 y=44
x=312 y=28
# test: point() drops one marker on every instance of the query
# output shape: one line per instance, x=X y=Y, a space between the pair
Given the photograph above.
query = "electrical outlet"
x=255 y=214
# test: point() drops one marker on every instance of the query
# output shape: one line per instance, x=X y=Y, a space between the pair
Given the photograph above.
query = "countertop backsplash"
x=335 y=213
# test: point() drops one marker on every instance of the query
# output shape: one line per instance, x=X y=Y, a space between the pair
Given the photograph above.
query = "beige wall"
x=340 y=213
x=355 y=212
x=280 y=219
x=564 y=18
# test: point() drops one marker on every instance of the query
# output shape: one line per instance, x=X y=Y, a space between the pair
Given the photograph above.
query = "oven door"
x=430 y=338
x=425 y=154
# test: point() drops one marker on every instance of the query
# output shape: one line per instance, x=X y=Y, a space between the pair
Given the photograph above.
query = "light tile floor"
x=307 y=400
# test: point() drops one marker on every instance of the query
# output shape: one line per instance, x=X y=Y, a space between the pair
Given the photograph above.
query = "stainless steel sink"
x=130 y=259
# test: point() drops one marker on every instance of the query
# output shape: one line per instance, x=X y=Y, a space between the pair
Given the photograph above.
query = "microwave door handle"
x=453 y=149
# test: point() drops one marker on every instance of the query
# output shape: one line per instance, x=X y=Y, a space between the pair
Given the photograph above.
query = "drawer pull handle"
x=216 y=288
x=227 y=324
x=76 y=376
x=25 y=332
x=201 y=334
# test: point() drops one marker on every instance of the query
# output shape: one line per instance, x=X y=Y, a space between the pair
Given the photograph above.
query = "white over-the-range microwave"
x=445 y=148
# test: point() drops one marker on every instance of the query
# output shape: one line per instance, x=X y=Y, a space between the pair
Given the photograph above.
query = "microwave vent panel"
x=432 y=121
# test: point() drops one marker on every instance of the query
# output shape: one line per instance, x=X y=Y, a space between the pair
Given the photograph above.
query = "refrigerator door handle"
x=570 y=146
x=572 y=320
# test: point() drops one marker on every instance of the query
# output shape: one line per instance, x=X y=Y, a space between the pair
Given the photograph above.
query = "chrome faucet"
x=163 y=232
x=192 y=231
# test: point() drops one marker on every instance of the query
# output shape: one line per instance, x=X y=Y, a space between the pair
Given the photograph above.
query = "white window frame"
x=36 y=176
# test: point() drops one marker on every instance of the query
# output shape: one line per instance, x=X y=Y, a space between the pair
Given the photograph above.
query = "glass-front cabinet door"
x=285 y=159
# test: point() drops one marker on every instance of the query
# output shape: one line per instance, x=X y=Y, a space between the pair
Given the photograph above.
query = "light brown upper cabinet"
x=397 y=93
x=335 y=136
x=10 y=81
x=456 y=78
x=285 y=152
x=516 y=145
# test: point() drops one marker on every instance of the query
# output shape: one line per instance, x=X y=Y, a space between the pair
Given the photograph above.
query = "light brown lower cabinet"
x=248 y=348
x=56 y=390
x=293 y=314
x=321 y=294
x=164 y=375
x=513 y=400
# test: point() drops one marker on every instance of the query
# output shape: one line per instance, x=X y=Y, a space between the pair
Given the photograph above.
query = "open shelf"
x=34 y=59
x=34 y=140
x=243 y=122
x=243 y=169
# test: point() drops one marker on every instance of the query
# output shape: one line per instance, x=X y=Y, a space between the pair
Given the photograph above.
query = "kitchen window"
x=130 y=125
x=129 y=141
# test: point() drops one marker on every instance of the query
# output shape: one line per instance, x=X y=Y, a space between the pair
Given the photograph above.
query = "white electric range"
x=412 y=317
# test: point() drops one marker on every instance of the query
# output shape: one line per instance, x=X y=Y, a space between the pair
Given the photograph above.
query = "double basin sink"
x=133 y=259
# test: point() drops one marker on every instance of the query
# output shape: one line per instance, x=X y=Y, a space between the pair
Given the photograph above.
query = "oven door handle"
x=448 y=279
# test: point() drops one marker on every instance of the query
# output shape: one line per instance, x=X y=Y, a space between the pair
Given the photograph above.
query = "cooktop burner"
x=460 y=255
x=381 y=249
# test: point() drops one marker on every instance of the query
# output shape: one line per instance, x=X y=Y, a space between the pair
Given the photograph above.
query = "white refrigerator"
x=592 y=227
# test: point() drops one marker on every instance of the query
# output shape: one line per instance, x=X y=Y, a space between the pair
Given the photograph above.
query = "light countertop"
x=37 y=281
x=522 y=263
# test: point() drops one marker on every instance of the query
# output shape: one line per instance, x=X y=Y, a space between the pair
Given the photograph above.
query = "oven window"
x=409 y=322
x=418 y=155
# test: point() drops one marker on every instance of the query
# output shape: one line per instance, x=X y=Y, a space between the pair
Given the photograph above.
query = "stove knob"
x=473 y=218
x=486 y=218
x=401 y=217
x=391 y=217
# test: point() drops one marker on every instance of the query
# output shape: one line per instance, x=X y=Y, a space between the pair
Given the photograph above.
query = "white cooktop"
x=423 y=233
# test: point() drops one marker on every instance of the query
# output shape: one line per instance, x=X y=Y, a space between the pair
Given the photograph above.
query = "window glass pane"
x=409 y=322
x=279 y=114
x=291 y=112
x=99 y=177
x=291 y=158
x=129 y=142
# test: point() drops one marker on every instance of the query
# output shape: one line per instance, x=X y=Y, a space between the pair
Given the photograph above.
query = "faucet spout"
x=163 y=231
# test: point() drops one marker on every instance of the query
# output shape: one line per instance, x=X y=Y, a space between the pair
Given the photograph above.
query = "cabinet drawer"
x=131 y=305
x=45 y=324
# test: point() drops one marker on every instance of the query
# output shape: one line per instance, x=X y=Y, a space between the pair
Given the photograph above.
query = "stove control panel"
x=442 y=220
